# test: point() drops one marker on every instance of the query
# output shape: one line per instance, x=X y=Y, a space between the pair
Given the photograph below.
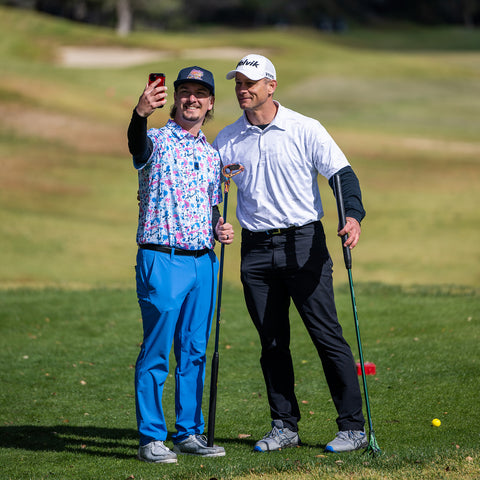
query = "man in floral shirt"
x=179 y=189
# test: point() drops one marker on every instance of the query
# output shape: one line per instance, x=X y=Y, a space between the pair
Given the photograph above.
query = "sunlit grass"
x=405 y=113
x=67 y=406
x=404 y=106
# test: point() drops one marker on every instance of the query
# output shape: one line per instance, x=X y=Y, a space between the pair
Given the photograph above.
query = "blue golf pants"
x=176 y=295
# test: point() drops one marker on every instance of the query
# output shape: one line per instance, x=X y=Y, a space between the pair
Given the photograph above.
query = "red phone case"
x=154 y=76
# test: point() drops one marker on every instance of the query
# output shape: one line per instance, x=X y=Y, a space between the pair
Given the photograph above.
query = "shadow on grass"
x=121 y=443
x=103 y=442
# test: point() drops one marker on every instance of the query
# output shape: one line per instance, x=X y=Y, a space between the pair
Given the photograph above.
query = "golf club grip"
x=213 y=400
x=337 y=184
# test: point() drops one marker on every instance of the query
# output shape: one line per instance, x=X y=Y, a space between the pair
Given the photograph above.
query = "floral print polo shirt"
x=178 y=187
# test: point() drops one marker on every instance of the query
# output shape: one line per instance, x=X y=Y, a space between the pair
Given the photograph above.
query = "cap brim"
x=176 y=83
x=231 y=74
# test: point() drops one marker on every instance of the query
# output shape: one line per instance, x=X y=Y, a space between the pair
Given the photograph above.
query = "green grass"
x=403 y=103
x=407 y=118
x=67 y=399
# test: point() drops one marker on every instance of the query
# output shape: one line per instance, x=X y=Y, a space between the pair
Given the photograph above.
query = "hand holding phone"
x=150 y=100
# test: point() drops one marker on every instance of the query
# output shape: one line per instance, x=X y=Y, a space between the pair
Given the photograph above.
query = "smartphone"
x=155 y=76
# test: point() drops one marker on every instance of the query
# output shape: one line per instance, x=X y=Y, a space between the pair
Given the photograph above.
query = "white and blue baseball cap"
x=255 y=67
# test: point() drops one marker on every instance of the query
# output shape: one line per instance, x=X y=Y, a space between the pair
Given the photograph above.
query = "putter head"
x=231 y=170
x=372 y=448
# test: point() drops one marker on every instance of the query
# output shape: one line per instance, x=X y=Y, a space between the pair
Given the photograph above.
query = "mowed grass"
x=403 y=104
x=67 y=400
x=405 y=113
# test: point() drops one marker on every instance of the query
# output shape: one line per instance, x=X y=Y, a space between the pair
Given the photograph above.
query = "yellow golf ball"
x=436 y=422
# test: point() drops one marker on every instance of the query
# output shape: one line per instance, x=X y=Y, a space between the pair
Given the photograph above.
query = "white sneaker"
x=279 y=437
x=197 y=445
x=347 y=441
x=156 y=452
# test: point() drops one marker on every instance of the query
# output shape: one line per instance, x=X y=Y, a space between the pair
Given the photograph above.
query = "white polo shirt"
x=279 y=187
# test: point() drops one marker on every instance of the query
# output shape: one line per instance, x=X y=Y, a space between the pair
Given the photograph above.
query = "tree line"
x=330 y=15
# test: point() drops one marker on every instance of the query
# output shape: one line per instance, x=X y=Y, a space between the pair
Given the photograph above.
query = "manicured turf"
x=67 y=398
x=406 y=116
x=404 y=105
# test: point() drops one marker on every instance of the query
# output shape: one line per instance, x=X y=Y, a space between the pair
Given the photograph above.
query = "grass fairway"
x=406 y=115
x=67 y=399
x=404 y=105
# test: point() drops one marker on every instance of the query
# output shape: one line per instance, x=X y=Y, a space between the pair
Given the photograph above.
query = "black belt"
x=278 y=231
x=176 y=251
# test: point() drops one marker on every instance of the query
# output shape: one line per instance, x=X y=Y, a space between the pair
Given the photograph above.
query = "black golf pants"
x=295 y=265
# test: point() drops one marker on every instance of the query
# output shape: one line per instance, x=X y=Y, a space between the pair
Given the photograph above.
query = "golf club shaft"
x=360 y=350
x=212 y=408
x=347 y=256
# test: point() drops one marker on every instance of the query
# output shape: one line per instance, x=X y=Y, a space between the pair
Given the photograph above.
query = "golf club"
x=372 y=447
x=228 y=172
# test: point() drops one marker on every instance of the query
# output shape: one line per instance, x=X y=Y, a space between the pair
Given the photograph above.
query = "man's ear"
x=272 y=86
x=212 y=102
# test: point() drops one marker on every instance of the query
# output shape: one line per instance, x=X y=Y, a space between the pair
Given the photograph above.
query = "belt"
x=278 y=231
x=176 y=251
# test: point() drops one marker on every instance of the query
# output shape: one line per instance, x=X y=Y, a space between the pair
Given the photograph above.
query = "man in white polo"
x=284 y=252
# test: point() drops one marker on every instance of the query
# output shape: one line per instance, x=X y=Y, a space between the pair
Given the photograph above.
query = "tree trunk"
x=124 y=17
x=469 y=9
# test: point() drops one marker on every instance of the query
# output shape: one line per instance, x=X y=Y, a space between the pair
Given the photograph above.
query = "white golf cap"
x=254 y=67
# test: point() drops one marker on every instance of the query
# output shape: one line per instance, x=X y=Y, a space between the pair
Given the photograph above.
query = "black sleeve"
x=139 y=144
x=215 y=216
x=352 y=195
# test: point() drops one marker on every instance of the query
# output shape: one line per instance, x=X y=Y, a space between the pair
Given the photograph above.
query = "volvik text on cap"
x=254 y=67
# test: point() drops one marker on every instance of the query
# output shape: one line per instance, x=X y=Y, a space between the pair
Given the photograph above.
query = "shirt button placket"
x=261 y=153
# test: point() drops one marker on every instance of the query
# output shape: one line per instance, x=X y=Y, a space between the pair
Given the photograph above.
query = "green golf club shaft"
x=347 y=256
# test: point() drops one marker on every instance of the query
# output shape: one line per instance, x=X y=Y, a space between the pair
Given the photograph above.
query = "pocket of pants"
x=143 y=272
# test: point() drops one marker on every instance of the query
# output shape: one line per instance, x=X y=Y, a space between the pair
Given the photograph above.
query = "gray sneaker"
x=347 y=441
x=197 y=445
x=156 y=452
x=278 y=438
